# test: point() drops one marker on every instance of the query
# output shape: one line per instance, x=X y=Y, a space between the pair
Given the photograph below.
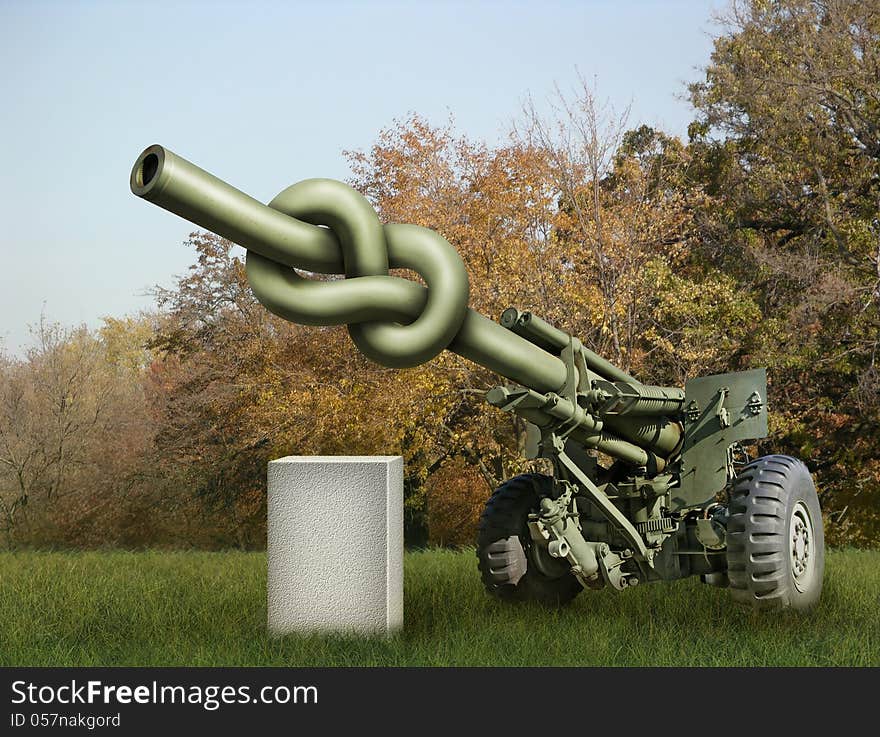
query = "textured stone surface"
x=335 y=544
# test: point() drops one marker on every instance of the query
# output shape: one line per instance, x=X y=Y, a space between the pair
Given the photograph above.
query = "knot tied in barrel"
x=324 y=226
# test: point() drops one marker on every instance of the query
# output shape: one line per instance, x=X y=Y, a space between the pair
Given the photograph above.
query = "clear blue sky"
x=264 y=94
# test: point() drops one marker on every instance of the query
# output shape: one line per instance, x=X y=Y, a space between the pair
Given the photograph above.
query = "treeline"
x=754 y=243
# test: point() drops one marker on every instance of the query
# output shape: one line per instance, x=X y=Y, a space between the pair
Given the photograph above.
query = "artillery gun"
x=679 y=498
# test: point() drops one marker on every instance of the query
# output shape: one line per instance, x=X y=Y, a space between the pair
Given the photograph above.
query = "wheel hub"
x=545 y=563
x=801 y=547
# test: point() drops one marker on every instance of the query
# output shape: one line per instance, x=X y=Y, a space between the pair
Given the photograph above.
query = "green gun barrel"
x=393 y=321
x=543 y=334
x=278 y=243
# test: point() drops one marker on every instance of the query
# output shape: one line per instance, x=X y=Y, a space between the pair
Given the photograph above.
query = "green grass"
x=204 y=609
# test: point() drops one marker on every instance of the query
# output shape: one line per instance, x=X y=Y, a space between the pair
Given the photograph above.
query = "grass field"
x=205 y=609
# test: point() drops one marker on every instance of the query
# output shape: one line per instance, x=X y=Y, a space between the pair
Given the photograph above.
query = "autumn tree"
x=576 y=218
x=496 y=207
x=757 y=242
x=625 y=229
x=237 y=386
x=579 y=140
x=73 y=430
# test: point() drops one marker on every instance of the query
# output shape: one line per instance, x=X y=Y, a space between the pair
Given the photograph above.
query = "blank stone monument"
x=335 y=544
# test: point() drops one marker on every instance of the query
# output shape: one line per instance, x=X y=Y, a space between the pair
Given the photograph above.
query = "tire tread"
x=505 y=515
x=760 y=501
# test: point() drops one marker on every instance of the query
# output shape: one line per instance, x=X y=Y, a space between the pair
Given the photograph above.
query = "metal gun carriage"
x=679 y=497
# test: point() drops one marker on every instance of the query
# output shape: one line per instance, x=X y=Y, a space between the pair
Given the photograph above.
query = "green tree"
x=788 y=142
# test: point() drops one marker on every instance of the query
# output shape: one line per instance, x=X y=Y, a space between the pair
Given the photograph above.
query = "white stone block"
x=335 y=544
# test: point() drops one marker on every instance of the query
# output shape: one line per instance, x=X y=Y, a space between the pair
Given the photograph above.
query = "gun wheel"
x=775 y=542
x=509 y=566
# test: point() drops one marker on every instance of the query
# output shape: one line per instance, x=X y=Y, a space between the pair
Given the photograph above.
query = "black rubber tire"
x=768 y=502
x=503 y=546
